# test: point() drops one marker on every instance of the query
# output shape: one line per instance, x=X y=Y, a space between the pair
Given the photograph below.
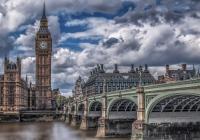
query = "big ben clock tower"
x=43 y=51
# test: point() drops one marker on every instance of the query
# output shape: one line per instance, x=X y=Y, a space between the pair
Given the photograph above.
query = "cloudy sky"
x=88 y=32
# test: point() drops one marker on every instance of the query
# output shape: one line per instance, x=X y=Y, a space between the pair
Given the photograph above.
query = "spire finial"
x=44 y=11
x=194 y=68
x=140 y=78
x=26 y=79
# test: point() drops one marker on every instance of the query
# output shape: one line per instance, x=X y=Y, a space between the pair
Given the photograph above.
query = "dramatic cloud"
x=126 y=43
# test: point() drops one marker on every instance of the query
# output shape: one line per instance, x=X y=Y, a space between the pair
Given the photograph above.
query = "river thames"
x=61 y=131
x=45 y=131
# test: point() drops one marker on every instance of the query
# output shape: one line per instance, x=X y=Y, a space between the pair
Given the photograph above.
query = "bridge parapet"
x=113 y=94
x=148 y=89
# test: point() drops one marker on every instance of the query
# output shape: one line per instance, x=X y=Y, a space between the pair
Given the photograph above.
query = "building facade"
x=13 y=89
x=78 y=89
x=177 y=74
x=43 y=51
x=115 y=80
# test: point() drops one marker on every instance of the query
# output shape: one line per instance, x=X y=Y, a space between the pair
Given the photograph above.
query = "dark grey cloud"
x=111 y=41
x=152 y=16
x=89 y=6
x=6 y=45
x=166 y=10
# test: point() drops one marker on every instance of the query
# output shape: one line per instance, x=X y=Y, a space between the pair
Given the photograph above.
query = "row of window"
x=44 y=70
x=44 y=60
x=43 y=81
x=43 y=36
x=124 y=82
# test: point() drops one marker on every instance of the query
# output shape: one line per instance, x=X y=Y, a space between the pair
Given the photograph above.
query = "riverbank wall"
x=31 y=116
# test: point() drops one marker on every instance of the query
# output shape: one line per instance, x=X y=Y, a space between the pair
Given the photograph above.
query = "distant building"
x=59 y=100
x=78 y=89
x=114 y=80
x=13 y=89
x=177 y=74
x=56 y=92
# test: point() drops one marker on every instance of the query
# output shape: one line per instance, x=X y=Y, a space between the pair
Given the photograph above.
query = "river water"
x=62 y=131
x=45 y=131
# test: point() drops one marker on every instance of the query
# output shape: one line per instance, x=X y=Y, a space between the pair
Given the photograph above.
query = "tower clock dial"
x=43 y=45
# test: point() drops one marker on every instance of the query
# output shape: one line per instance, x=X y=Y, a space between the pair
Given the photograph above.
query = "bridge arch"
x=127 y=105
x=121 y=112
x=117 y=99
x=95 y=106
x=179 y=106
x=80 y=109
x=72 y=110
x=95 y=109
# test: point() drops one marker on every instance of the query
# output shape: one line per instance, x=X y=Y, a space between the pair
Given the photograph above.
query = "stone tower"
x=43 y=51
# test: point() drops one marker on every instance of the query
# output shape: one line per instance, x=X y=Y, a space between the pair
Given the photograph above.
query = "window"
x=11 y=94
x=1 y=95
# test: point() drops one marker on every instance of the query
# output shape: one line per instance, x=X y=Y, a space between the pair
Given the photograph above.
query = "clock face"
x=43 y=45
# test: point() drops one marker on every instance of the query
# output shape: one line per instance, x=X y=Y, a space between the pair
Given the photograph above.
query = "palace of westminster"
x=17 y=94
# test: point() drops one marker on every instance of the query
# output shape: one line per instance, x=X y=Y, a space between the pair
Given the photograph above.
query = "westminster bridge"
x=134 y=110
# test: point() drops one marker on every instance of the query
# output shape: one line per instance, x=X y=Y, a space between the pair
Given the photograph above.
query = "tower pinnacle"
x=44 y=21
x=44 y=11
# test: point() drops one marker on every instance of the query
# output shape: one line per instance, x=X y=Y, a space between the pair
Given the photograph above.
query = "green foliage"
x=60 y=101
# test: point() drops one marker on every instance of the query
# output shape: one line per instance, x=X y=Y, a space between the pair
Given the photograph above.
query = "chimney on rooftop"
x=167 y=68
x=98 y=68
x=184 y=67
x=132 y=68
x=116 y=69
x=102 y=68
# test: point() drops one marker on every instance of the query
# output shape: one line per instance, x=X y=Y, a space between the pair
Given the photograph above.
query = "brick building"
x=177 y=74
x=13 y=89
x=78 y=89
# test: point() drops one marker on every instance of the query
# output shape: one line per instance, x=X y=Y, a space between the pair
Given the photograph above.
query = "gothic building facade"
x=78 y=89
x=115 y=80
x=13 y=89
